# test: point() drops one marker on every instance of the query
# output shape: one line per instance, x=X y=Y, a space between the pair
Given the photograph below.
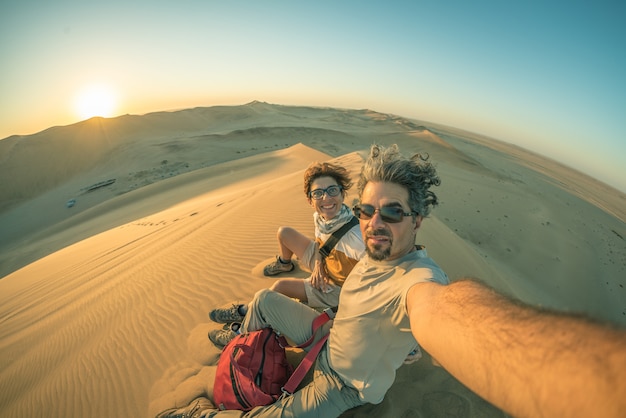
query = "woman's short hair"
x=316 y=170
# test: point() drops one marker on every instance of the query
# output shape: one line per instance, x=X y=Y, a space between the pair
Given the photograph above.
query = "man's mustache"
x=378 y=232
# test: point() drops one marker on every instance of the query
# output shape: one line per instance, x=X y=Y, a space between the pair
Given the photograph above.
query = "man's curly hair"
x=416 y=174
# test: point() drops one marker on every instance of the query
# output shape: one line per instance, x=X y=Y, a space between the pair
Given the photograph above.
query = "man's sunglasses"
x=389 y=214
x=331 y=191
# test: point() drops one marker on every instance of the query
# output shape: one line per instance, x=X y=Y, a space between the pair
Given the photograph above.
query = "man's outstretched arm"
x=527 y=361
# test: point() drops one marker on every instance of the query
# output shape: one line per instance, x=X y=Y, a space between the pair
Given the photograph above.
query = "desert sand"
x=103 y=305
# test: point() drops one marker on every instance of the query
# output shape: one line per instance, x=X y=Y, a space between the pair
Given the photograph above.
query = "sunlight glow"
x=95 y=100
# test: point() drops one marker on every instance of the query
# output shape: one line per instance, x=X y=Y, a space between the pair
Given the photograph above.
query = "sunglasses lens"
x=368 y=210
x=389 y=215
x=364 y=211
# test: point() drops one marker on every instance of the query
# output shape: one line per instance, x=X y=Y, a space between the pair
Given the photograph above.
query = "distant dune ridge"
x=103 y=305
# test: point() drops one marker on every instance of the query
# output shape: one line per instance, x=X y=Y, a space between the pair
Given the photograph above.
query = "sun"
x=95 y=100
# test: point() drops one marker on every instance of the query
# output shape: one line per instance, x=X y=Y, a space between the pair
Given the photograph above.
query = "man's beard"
x=379 y=252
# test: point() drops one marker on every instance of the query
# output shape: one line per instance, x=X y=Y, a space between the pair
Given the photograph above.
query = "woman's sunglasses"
x=389 y=214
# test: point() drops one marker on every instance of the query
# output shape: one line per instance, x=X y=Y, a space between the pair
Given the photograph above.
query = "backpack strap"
x=336 y=236
x=324 y=317
x=308 y=360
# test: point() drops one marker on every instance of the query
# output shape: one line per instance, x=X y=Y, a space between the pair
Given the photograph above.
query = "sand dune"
x=103 y=305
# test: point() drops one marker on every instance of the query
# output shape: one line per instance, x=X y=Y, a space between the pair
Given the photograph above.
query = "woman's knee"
x=284 y=232
x=284 y=287
x=278 y=286
x=292 y=288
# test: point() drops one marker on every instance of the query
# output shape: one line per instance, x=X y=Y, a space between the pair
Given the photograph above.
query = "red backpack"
x=253 y=369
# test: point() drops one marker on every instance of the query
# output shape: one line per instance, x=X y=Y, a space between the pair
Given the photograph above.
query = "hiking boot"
x=277 y=267
x=221 y=337
x=226 y=315
x=193 y=410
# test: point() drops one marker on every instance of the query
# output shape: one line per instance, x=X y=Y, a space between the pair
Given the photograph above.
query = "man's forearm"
x=527 y=361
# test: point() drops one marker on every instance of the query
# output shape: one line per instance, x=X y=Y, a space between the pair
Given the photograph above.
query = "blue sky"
x=549 y=76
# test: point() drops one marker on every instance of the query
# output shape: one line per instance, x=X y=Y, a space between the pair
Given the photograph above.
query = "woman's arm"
x=527 y=361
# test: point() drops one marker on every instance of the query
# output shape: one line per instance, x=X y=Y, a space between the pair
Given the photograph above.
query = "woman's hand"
x=319 y=277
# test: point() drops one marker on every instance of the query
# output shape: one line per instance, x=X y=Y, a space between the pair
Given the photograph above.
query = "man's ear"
x=418 y=221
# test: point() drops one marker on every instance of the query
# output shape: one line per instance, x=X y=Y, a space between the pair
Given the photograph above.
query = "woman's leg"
x=294 y=288
x=291 y=242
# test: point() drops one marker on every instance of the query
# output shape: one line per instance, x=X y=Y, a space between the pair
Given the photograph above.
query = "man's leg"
x=285 y=315
x=272 y=309
x=326 y=396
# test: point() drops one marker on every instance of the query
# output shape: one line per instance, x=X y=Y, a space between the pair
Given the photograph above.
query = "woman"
x=325 y=186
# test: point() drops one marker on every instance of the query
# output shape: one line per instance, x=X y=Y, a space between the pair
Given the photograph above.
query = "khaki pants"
x=326 y=396
x=317 y=298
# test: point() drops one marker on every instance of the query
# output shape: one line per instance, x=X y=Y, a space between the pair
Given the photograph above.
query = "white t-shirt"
x=371 y=334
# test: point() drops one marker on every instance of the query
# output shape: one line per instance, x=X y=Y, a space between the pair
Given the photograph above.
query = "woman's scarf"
x=329 y=226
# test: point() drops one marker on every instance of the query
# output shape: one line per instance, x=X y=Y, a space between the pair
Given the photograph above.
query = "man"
x=371 y=333
x=529 y=363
